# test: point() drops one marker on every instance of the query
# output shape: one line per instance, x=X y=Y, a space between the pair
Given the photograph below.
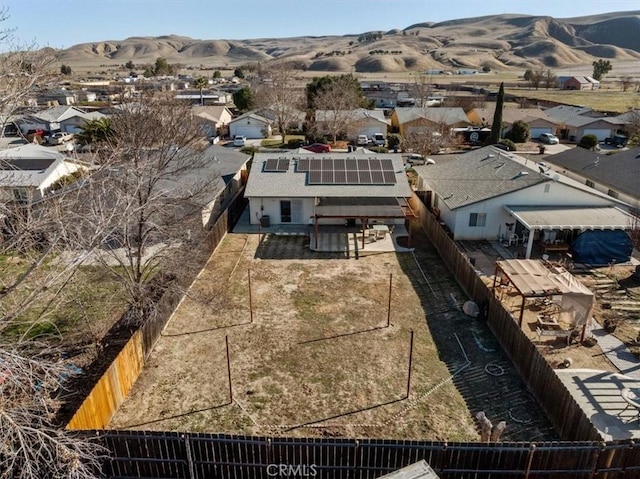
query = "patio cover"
x=578 y=218
x=360 y=207
x=533 y=279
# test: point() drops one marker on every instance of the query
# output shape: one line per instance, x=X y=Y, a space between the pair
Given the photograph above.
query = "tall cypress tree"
x=496 y=126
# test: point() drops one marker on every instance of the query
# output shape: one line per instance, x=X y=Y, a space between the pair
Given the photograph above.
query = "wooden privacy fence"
x=114 y=385
x=199 y=456
x=563 y=411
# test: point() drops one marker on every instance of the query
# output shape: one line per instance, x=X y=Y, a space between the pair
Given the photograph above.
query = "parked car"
x=59 y=138
x=617 y=140
x=362 y=140
x=378 y=139
x=318 y=148
x=239 y=140
x=549 y=139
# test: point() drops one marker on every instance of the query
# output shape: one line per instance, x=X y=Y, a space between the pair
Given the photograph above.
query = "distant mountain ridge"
x=497 y=41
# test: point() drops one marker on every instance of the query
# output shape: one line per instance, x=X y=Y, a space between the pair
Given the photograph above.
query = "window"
x=547 y=187
x=590 y=184
x=477 y=219
x=20 y=194
x=285 y=211
x=613 y=194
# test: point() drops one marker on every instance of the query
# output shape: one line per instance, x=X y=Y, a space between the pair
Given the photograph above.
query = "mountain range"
x=499 y=42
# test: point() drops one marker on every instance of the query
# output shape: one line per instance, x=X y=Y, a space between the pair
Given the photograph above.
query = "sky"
x=64 y=23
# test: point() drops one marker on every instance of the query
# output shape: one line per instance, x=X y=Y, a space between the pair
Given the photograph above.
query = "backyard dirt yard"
x=317 y=359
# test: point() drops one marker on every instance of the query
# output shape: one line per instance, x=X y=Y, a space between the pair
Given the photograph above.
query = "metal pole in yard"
x=250 y=299
x=410 y=364
x=226 y=340
x=389 y=306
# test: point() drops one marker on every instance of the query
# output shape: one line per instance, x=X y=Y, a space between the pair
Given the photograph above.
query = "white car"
x=549 y=139
x=59 y=138
x=378 y=139
x=239 y=140
x=362 y=140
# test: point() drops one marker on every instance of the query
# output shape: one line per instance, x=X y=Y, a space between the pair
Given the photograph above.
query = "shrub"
x=520 y=132
x=393 y=141
x=379 y=149
x=295 y=143
x=588 y=141
x=509 y=144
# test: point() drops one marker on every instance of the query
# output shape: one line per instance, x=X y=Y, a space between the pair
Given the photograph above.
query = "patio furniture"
x=556 y=333
x=513 y=239
x=381 y=231
x=632 y=398
x=547 y=321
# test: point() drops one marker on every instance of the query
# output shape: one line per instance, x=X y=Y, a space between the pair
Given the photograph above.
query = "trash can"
x=265 y=222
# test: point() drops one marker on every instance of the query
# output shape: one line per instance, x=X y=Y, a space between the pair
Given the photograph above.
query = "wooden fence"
x=114 y=385
x=563 y=411
x=196 y=456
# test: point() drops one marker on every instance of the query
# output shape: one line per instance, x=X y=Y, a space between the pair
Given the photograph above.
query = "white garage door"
x=599 y=132
x=536 y=132
x=250 y=131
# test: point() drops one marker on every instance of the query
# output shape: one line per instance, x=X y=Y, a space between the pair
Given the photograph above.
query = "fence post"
x=187 y=448
x=389 y=306
x=410 y=364
x=532 y=450
x=226 y=340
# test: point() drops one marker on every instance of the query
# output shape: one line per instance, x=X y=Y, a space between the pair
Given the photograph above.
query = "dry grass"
x=317 y=359
x=602 y=100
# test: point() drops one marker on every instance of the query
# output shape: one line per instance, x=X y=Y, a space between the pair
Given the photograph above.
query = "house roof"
x=479 y=175
x=571 y=218
x=27 y=165
x=578 y=120
x=356 y=115
x=511 y=115
x=294 y=184
x=448 y=116
x=564 y=112
x=58 y=113
x=619 y=171
x=211 y=113
x=253 y=116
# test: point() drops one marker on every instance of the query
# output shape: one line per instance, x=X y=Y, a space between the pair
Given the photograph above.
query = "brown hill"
x=498 y=41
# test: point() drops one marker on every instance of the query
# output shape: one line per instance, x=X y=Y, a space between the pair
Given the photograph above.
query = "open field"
x=318 y=359
x=605 y=99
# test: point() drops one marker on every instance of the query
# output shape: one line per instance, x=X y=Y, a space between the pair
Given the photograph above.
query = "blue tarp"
x=602 y=247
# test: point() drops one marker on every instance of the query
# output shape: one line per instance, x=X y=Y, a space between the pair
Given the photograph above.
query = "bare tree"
x=280 y=95
x=627 y=82
x=159 y=180
x=32 y=372
x=428 y=139
x=335 y=105
x=420 y=90
x=549 y=79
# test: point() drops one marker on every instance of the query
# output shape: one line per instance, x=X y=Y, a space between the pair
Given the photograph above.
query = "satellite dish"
x=555 y=177
x=430 y=161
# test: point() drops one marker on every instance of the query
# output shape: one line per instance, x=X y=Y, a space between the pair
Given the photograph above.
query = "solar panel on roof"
x=365 y=177
x=351 y=164
x=327 y=176
x=315 y=165
x=377 y=178
x=338 y=164
x=352 y=177
x=389 y=177
x=340 y=177
x=303 y=164
x=315 y=177
x=271 y=164
x=374 y=164
x=327 y=164
x=363 y=164
x=387 y=165
x=283 y=164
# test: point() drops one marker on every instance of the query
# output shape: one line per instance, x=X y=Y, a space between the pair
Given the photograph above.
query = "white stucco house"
x=494 y=195
x=250 y=125
x=28 y=172
x=303 y=188
x=356 y=122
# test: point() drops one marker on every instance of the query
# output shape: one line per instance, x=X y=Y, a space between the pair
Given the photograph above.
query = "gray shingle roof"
x=479 y=175
x=564 y=112
x=620 y=171
x=293 y=184
x=448 y=116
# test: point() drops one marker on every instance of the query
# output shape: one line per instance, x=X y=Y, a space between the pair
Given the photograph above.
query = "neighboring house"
x=578 y=83
x=208 y=97
x=488 y=194
x=617 y=175
x=358 y=122
x=88 y=96
x=231 y=169
x=409 y=120
x=296 y=117
x=61 y=96
x=59 y=118
x=561 y=113
x=250 y=125
x=303 y=188
x=28 y=172
x=215 y=118
x=538 y=120
x=579 y=126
